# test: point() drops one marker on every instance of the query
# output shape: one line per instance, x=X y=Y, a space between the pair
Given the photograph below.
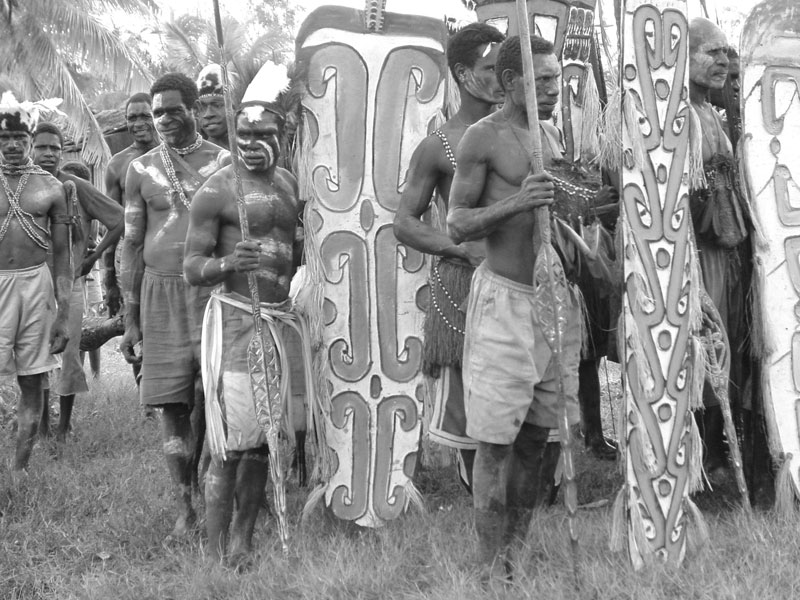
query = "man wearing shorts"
x=86 y=203
x=163 y=311
x=33 y=218
x=215 y=253
x=509 y=375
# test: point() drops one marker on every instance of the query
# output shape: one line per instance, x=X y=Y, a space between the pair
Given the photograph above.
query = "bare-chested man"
x=211 y=105
x=721 y=236
x=471 y=54
x=139 y=120
x=509 y=377
x=33 y=321
x=161 y=309
x=215 y=253
x=87 y=204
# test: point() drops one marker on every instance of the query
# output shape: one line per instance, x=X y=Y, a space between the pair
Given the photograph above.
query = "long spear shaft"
x=271 y=422
x=548 y=263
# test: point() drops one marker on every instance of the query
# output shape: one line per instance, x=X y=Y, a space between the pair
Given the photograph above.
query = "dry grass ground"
x=90 y=523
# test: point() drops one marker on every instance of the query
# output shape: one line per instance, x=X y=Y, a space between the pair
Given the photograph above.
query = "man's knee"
x=30 y=384
x=531 y=441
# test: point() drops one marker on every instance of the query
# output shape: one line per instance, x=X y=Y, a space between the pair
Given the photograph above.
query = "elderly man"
x=87 y=203
x=161 y=309
x=720 y=219
x=211 y=105
x=509 y=375
x=216 y=254
x=471 y=54
x=33 y=322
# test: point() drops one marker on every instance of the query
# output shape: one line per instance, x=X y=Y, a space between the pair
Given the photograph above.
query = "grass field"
x=91 y=520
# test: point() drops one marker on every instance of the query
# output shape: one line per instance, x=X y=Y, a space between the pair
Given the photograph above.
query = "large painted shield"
x=569 y=25
x=661 y=300
x=770 y=63
x=374 y=82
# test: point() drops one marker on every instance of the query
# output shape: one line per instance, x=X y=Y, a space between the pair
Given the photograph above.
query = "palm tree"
x=190 y=43
x=42 y=41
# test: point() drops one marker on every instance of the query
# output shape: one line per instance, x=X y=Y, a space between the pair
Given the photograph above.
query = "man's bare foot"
x=185 y=524
x=239 y=561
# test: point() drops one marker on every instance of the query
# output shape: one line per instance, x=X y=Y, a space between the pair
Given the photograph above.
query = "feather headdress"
x=266 y=88
x=23 y=116
x=209 y=81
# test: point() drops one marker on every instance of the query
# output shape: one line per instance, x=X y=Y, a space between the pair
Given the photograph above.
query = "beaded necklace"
x=38 y=234
x=585 y=194
x=170 y=168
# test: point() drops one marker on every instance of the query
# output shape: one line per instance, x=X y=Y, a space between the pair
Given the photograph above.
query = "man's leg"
x=198 y=421
x=251 y=480
x=592 y=421
x=44 y=421
x=29 y=412
x=219 y=489
x=178 y=450
x=489 y=493
x=468 y=464
x=525 y=481
x=65 y=415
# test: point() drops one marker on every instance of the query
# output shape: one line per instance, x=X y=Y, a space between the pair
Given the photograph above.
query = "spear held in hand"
x=262 y=358
x=551 y=294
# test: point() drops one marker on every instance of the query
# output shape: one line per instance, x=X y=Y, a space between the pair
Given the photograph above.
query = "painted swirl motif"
x=374 y=84
x=658 y=286
x=770 y=60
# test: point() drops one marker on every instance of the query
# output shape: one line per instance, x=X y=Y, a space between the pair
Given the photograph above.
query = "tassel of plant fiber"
x=631 y=110
x=616 y=539
x=698 y=534
x=695 y=457
x=592 y=114
x=785 y=501
x=697 y=177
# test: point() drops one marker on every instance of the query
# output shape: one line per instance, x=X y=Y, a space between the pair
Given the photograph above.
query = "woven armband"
x=61 y=220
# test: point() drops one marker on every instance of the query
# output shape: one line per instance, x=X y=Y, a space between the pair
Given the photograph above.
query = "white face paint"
x=257 y=138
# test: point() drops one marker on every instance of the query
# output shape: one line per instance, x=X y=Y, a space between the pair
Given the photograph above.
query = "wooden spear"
x=551 y=294
x=262 y=356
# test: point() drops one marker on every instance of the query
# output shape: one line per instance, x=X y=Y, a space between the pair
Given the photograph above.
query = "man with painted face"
x=721 y=223
x=162 y=310
x=471 y=55
x=216 y=254
x=139 y=120
x=211 y=105
x=86 y=203
x=33 y=320
x=509 y=376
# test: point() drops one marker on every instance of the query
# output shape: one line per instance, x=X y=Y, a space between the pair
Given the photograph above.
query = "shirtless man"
x=163 y=311
x=216 y=254
x=724 y=282
x=509 y=376
x=139 y=119
x=211 y=105
x=33 y=322
x=471 y=54
x=88 y=204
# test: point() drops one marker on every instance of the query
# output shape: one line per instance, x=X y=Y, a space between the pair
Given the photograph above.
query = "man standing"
x=215 y=253
x=509 y=376
x=85 y=203
x=34 y=218
x=720 y=220
x=162 y=311
x=471 y=54
x=211 y=105
x=139 y=119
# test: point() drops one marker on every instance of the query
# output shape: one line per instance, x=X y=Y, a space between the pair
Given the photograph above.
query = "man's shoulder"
x=124 y=156
x=148 y=157
x=46 y=180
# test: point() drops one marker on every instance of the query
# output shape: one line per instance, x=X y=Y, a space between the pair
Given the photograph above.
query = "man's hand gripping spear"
x=262 y=358
x=551 y=293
